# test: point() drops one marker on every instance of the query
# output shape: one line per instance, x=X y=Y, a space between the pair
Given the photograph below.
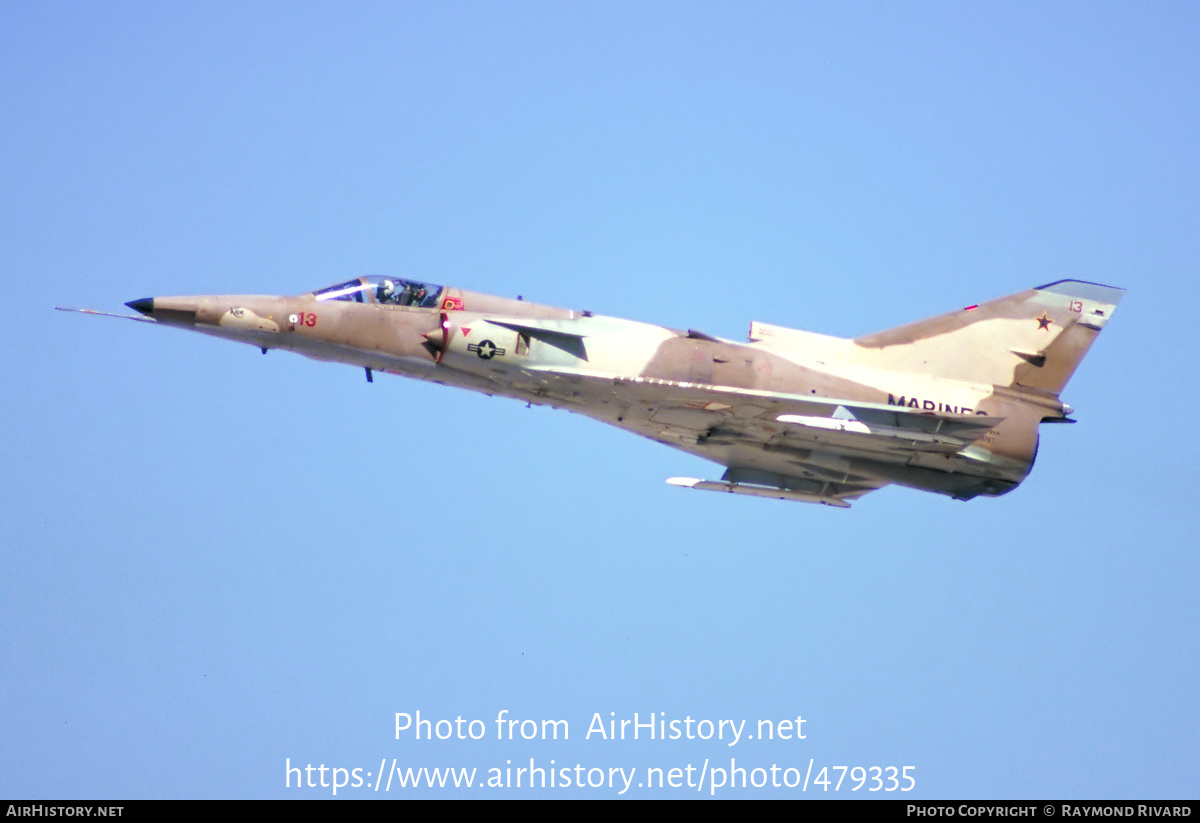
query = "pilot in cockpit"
x=385 y=292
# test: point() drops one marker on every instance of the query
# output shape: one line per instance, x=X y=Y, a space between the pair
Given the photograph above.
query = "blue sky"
x=215 y=563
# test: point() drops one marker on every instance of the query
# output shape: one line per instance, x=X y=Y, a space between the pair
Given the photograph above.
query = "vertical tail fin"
x=1033 y=339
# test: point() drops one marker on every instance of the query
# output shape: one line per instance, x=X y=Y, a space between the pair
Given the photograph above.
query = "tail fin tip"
x=1084 y=290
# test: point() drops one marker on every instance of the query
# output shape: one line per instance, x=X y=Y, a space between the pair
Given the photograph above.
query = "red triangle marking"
x=465 y=330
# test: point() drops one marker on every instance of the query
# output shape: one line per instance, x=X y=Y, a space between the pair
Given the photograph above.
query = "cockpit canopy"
x=391 y=291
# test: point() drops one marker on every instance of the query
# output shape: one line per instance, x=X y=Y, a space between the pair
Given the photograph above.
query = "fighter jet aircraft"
x=951 y=404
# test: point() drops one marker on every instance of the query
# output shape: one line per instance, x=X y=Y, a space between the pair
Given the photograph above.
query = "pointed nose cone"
x=144 y=306
x=177 y=311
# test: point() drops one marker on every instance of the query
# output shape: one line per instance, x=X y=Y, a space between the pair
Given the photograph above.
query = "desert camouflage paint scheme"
x=950 y=404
